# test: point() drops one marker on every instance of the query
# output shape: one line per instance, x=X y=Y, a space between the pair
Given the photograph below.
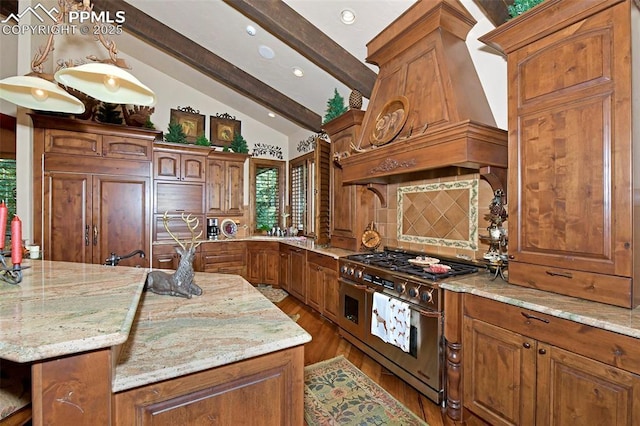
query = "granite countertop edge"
x=607 y=317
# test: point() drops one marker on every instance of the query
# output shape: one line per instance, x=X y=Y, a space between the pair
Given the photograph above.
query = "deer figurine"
x=180 y=283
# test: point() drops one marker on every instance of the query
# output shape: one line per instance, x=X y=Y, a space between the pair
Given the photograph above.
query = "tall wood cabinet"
x=573 y=225
x=352 y=206
x=92 y=190
x=225 y=184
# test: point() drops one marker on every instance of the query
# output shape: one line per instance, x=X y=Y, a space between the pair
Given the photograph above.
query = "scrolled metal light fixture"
x=104 y=80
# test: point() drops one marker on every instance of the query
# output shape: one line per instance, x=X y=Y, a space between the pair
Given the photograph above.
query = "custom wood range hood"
x=428 y=88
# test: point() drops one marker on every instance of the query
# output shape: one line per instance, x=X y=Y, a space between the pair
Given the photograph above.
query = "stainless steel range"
x=399 y=275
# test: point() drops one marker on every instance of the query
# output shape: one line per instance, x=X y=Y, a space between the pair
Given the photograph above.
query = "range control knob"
x=351 y=270
x=400 y=287
x=427 y=296
x=413 y=292
x=343 y=269
x=359 y=274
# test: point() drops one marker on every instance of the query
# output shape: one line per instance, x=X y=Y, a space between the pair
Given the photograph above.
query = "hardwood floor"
x=327 y=344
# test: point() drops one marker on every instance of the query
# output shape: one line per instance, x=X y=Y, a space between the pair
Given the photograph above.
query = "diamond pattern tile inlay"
x=443 y=214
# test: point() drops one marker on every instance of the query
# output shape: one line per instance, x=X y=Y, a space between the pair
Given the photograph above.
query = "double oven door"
x=423 y=362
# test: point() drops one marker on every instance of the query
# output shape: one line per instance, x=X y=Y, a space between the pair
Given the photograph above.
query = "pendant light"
x=106 y=83
x=39 y=94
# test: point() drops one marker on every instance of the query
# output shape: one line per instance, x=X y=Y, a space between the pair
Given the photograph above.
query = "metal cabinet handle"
x=86 y=235
x=542 y=351
x=95 y=235
x=526 y=345
x=533 y=317
x=560 y=274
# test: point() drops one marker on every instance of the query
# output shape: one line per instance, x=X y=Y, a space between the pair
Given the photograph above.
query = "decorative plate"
x=390 y=120
x=228 y=228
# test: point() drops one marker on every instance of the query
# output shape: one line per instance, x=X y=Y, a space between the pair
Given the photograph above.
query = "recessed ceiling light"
x=266 y=52
x=297 y=72
x=347 y=16
x=272 y=115
x=251 y=30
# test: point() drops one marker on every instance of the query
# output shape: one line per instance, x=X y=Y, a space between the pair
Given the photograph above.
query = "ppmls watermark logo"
x=77 y=21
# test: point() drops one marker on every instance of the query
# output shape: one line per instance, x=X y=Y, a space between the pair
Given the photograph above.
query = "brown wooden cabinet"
x=225 y=184
x=519 y=368
x=285 y=259
x=297 y=278
x=92 y=190
x=571 y=145
x=268 y=388
x=351 y=205
x=224 y=257
x=179 y=187
x=263 y=259
x=322 y=284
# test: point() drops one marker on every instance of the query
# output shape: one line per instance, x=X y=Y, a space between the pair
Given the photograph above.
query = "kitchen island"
x=103 y=351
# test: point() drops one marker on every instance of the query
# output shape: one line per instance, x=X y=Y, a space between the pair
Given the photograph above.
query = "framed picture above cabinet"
x=191 y=120
x=223 y=127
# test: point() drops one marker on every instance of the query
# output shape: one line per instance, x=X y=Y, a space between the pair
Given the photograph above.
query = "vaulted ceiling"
x=210 y=37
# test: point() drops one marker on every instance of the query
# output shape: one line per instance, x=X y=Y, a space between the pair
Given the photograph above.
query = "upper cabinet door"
x=68 y=142
x=193 y=167
x=166 y=165
x=570 y=159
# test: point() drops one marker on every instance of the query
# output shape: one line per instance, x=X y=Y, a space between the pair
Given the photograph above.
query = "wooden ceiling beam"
x=7 y=7
x=186 y=50
x=291 y=28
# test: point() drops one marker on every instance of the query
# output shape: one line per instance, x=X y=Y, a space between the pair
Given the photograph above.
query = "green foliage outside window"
x=267 y=196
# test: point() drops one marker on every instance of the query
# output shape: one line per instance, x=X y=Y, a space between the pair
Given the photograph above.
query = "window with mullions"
x=267 y=192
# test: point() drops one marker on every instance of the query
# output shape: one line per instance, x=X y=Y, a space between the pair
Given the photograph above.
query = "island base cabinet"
x=512 y=379
x=72 y=390
x=266 y=390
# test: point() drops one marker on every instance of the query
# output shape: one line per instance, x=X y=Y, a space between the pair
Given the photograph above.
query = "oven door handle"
x=428 y=314
x=365 y=288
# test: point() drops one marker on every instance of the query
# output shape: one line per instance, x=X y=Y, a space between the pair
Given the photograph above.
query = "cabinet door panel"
x=179 y=197
x=121 y=215
x=166 y=165
x=315 y=290
x=215 y=187
x=68 y=233
x=331 y=308
x=576 y=390
x=499 y=373
x=234 y=181
x=128 y=148
x=193 y=167
x=297 y=283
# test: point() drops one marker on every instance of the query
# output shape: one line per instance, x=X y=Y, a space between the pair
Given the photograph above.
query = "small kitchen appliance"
x=213 y=230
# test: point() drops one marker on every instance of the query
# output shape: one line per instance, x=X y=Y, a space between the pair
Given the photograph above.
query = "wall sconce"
x=104 y=80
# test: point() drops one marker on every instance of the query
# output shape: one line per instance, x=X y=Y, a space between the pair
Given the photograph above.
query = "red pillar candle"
x=16 y=241
x=3 y=223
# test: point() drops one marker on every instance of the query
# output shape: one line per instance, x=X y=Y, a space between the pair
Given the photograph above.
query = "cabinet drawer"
x=585 y=285
x=602 y=345
x=122 y=147
x=68 y=142
x=322 y=260
x=236 y=258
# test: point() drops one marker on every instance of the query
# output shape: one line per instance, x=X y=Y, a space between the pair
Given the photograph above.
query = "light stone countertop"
x=62 y=308
x=302 y=242
x=174 y=336
x=607 y=317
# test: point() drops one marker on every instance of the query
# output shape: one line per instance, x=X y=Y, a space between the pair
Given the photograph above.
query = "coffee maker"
x=212 y=228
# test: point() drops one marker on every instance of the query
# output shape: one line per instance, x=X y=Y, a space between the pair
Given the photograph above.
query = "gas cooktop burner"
x=397 y=260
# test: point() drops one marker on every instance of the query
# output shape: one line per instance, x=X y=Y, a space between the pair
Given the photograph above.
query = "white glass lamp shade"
x=106 y=83
x=39 y=94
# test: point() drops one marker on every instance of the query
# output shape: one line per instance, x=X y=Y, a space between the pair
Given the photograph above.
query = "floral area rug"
x=337 y=393
x=274 y=294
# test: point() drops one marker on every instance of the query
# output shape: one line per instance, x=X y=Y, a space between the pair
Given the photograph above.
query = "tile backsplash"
x=441 y=216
